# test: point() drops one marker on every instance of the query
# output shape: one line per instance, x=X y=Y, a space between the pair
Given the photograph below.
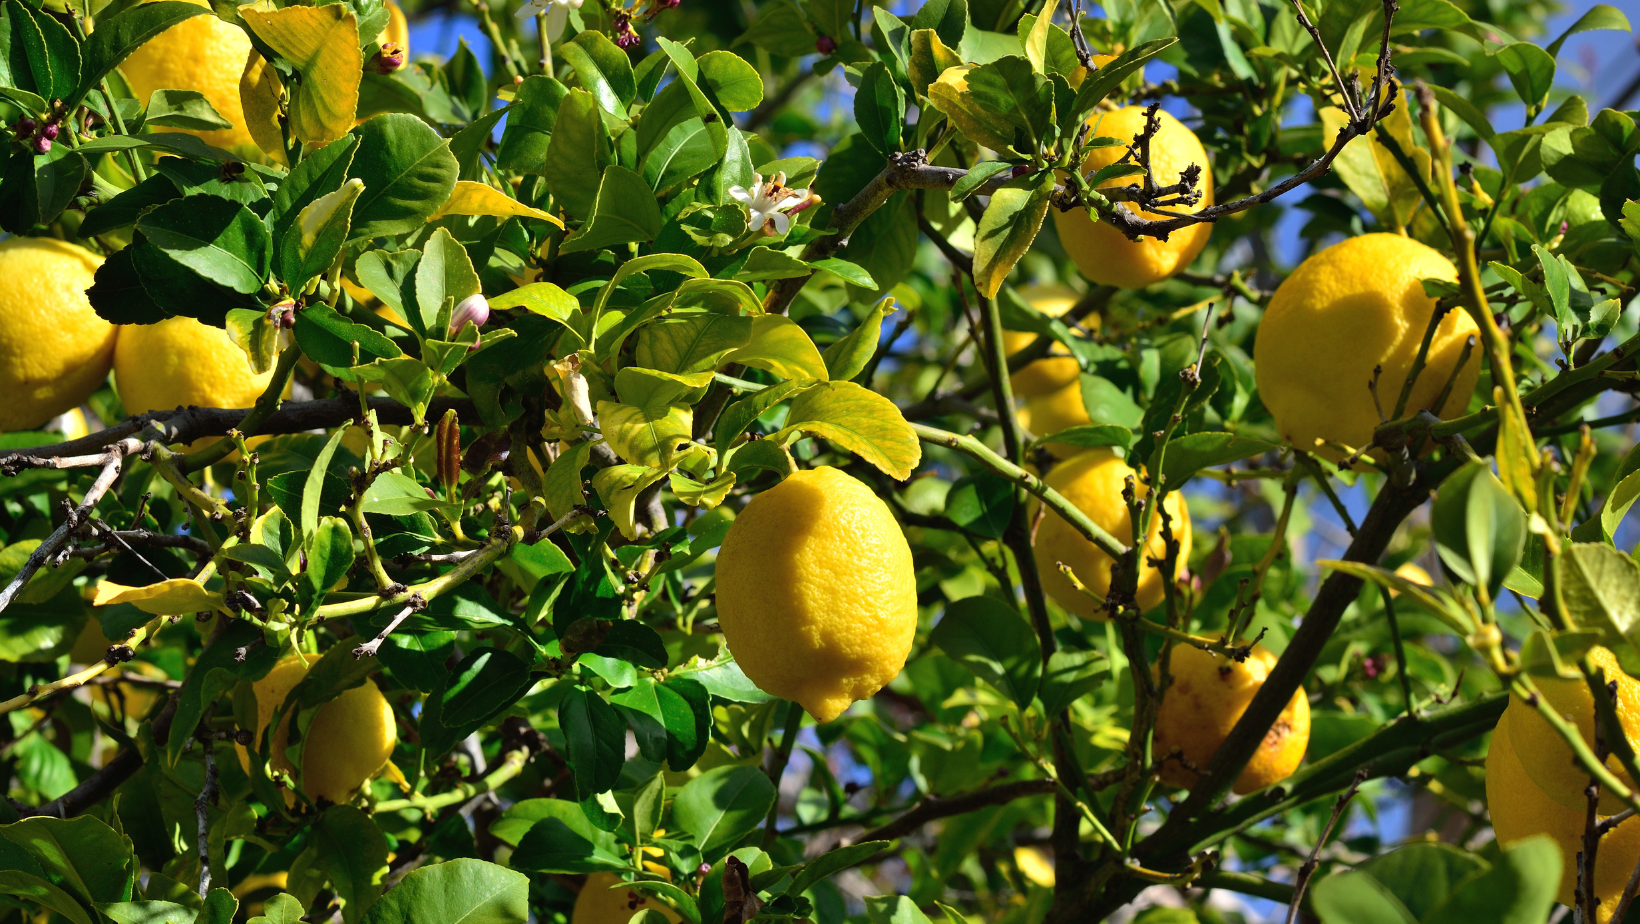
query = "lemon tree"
x=638 y=460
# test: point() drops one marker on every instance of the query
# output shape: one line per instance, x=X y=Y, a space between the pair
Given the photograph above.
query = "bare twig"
x=1307 y=870
x=934 y=808
x=416 y=604
x=202 y=809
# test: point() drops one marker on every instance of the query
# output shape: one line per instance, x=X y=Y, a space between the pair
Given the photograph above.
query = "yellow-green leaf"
x=645 y=436
x=706 y=495
x=1007 y=230
x=174 y=597
x=848 y=357
x=780 y=346
x=561 y=485
x=260 y=91
x=618 y=487
x=929 y=59
x=470 y=198
x=542 y=298
x=861 y=421
x=322 y=43
x=950 y=95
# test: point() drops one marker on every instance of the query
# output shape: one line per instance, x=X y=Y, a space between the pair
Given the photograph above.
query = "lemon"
x=1104 y=254
x=1353 y=307
x=816 y=594
x=1547 y=757
x=180 y=362
x=1519 y=810
x=1061 y=409
x=203 y=54
x=1093 y=481
x=598 y=903
x=1208 y=695
x=1058 y=369
x=351 y=737
x=54 y=350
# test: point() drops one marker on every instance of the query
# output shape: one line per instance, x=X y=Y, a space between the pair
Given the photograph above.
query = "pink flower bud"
x=388 y=60
x=25 y=127
x=825 y=44
x=49 y=132
x=42 y=145
x=474 y=308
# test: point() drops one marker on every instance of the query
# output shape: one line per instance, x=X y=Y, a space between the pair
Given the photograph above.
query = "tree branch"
x=934 y=808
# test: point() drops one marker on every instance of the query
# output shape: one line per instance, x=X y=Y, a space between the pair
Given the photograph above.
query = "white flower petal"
x=557 y=18
x=741 y=195
x=781 y=222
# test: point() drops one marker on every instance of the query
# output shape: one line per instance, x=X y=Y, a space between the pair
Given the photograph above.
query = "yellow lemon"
x=1546 y=756
x=1104 y=254
x=1354 y=307
x=1519 y=810
x=180 y=362
x=816 y=593
x=54 y=350
x=350 y=739
x=1057 y=410
x=1093 y=481
x=598 y=903
x=203 y=54
x=1058 y=369
x=1208 y=695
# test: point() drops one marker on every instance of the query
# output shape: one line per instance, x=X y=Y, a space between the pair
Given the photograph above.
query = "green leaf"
x=1531 y=71
x=444 y=276
x=780 y=29
x=1008 y=87
x=1357 y=898
x=51 y=53
x=465 y=891
x=1099 y=84
x=977 y=177
x=280 y=909
x=1480 y=529
x=313 y=240
x=1601 y=588
x=1007 y=229
x=217 y=238
x=861 y=421
x=1071 y=674
x=34 y=888
x=315 y=483
x=723 y=805
x=554 y=836
x=82 y=856
x=675 y=715
x=397 y=494
x=833 y=862
x=351 y=852
x=602 y=69
x=1599 y=16
x=734 y=83
x=148 y=912
x=849 y=356
x=486 y=682
x=1519 y=888
x=948 y=19
x=408 y=172
x=117 y=36
x=330 y=554
x=994 y=642
x=685 y=151
x=625 y=212
x=321 y=172
x=879 y=109
x=327 y=337
x=595 y=737
x=982 y=504
x=1090 y=436
x=1186 y=455
x=851 y=273
x=1422 y=876
x=577 y=154
x=185 y=109
x=530 y=122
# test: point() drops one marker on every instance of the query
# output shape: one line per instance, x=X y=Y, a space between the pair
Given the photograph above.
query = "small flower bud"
x=25 y=127
x=389 y=59
x=825 y=44
x=474 y=308
x=447 y=437
x=42 y=145
x=50 y=132
x=627 y=39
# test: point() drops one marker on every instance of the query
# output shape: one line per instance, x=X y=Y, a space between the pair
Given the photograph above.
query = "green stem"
x=510 y=767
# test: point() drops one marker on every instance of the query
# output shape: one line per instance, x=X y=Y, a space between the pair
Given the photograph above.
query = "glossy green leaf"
x=723 y=805
x=989 y=638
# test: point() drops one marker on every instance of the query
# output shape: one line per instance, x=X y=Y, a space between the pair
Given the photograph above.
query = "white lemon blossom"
x=767 y=202
x=557 y=14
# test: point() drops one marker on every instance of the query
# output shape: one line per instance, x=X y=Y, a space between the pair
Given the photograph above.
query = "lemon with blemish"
x=1207 y=697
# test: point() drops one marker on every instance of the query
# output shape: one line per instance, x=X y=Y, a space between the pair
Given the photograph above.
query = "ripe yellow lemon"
x=1519 y=810
x=351 y=737
x=1104 y=254
x=599 y=903
x=1061 y=409
x=54 y=350
x=1208 y=695
x=1546 y=756
x=1353 y=307
x=203 y=54
x=180 y=362
x=816 y=594
x=1058 y=369
x=1093 y=481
